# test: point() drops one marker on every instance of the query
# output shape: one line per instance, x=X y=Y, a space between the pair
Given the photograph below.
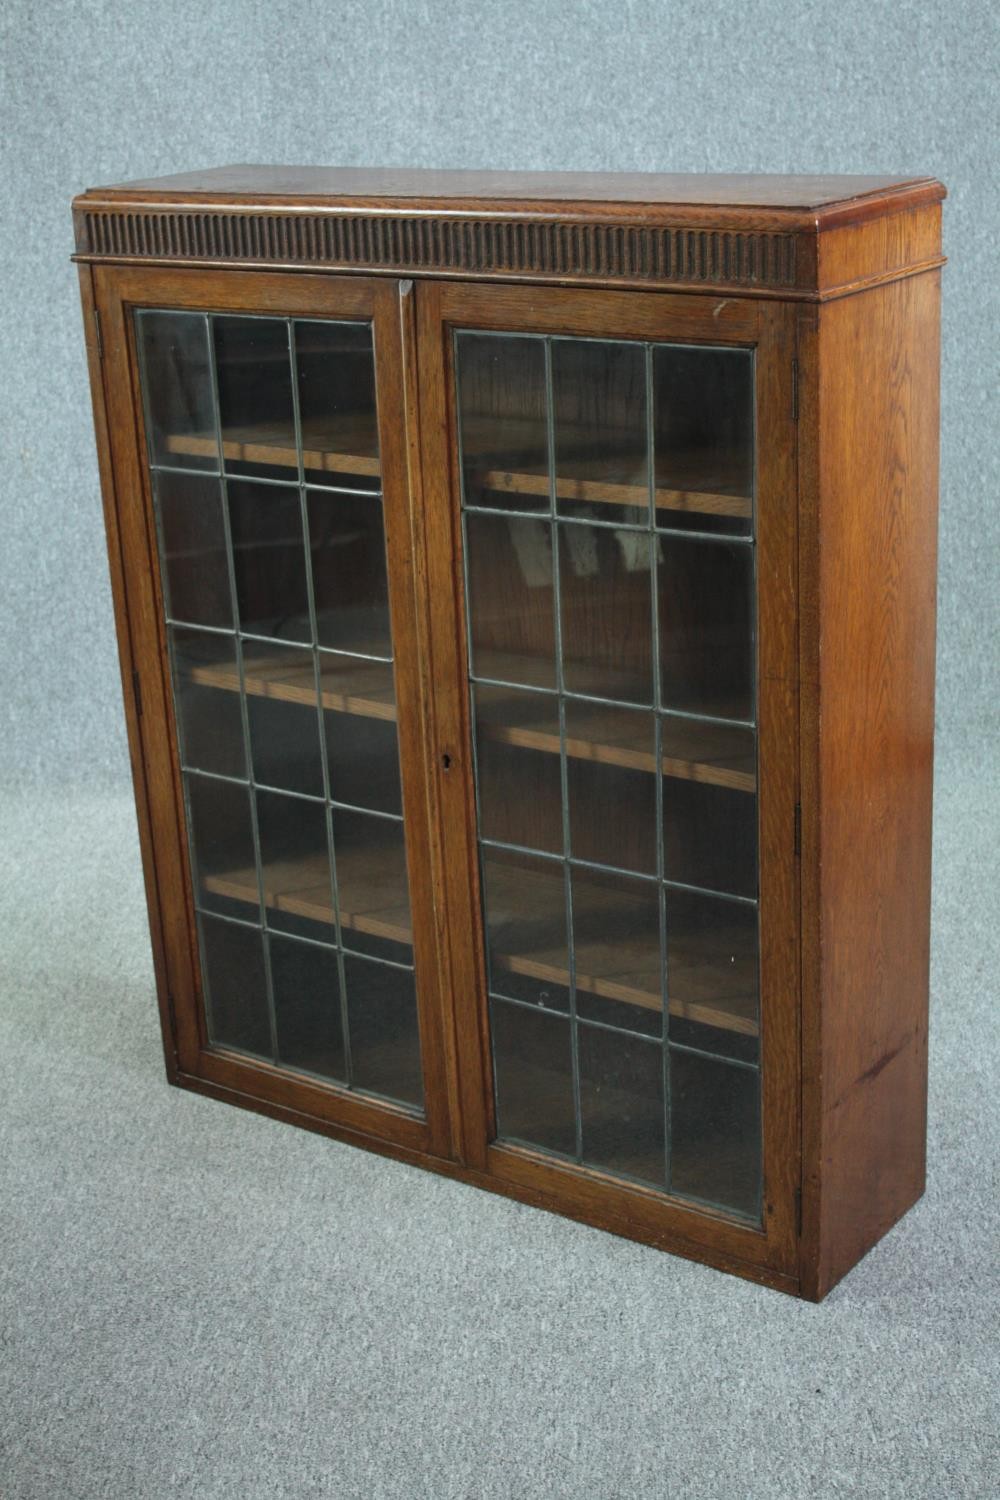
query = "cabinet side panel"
x=870 y=539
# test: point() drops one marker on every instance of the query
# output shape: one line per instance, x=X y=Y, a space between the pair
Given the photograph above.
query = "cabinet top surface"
x=706 y=190
x=755 y=234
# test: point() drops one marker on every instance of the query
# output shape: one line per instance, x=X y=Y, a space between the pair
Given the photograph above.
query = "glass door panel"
x=608 y=530
x=265 y=470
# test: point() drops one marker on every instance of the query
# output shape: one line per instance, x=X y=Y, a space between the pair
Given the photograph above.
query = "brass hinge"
x=795 y=390
x=798 y=828
x=137 y=693
x=98 y=334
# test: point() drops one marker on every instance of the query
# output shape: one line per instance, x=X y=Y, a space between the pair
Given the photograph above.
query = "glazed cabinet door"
x=261 y=500
x=610 y=483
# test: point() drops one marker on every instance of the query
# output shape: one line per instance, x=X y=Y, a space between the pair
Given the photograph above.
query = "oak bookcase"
x=525 y=592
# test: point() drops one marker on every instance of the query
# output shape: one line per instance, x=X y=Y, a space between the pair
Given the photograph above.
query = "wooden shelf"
x=334 y=445
x=347 y=445
x=709 y=484
x=301 y=887
x=570 y=486
x=611 y=965
x=715 y=754
x=349 y=685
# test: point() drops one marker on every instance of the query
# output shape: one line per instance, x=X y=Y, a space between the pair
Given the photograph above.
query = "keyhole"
x=446 y=761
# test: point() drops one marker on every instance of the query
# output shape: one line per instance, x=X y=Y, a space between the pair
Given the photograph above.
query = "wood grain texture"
x=379 y=185
x=869 y=511
x=454 y=786
x=118 y=291
x=128 y=666
x=441 y=309
x=706 y=990
x=739 y=232
x=777 y=704
x=853 y=256
x=846 y=538
x=410 y=672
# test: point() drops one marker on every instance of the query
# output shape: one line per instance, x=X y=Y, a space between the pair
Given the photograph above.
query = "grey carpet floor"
x=196 y=1301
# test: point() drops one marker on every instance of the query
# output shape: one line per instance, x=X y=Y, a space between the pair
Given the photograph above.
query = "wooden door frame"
x=769 y=329
x=110 y=294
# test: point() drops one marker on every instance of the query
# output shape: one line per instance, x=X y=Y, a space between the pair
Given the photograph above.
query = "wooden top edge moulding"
x=756 y=234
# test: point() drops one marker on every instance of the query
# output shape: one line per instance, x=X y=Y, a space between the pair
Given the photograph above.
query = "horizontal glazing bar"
x=292 y=482
x=521 y=687
x=682 y=713
x=343 y=489
x=202 y=629
x=641 y=527
x=509 y=512
x=563 y=859
x=702 y=890
x=281 y=791
x=639 y=1036
x=161 y=468
x=586 y=338
x=296 y=937
x=368 y=812
x=353 y=655
x=575 y=697
x=219 y=916
x=717 y=1057
x=339 y=322
x=588 y=864
x=729 y=537
x=257 y=785
x=275 y=640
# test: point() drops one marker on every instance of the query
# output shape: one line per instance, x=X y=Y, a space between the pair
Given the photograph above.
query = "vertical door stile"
x=400 y=423
x=452 y=771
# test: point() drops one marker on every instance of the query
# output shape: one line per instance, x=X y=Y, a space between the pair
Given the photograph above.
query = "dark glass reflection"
x=502 y=422
x=287 y=545
x=269 y=560
x=177 y=388
x=715 y=1132
x=307 y=1010
x=599 y=399
x=706 y=627
x=533 y=1077
x=193 y=555
x=209 y=721
x=336 y=374
x=621 y=1104
x=612 y=661
x=703 y=414
x=253 y=369
x=236 y=986
x=350 y=583
x=385 y=1042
